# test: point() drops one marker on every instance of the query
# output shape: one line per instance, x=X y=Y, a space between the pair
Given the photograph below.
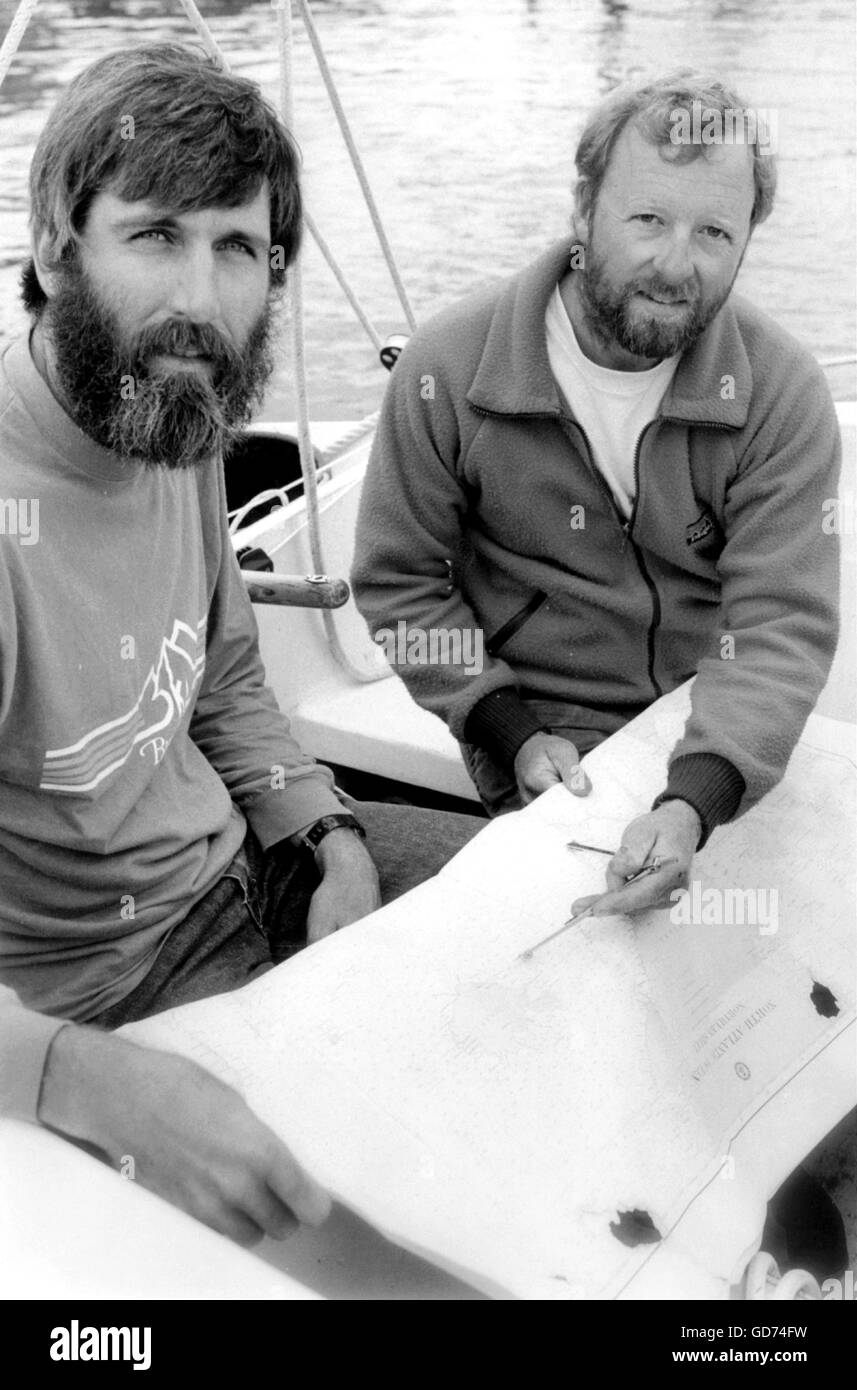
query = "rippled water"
x=467 y=113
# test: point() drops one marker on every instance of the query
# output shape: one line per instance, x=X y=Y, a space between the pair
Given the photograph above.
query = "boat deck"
x=374 y=726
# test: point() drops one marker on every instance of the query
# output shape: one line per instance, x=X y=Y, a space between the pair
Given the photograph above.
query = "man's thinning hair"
x=651 y=106
x=160 y=122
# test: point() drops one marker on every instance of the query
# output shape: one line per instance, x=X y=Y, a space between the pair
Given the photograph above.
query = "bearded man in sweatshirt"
x=162 y=837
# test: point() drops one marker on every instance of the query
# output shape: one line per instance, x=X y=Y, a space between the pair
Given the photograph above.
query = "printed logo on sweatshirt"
x=699 y=529
x=146 y=728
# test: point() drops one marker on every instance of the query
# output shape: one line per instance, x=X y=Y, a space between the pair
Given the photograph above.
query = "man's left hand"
x=349 y=887
x=671 y=833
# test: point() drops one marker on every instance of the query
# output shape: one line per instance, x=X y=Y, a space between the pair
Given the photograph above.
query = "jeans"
x=255 y=916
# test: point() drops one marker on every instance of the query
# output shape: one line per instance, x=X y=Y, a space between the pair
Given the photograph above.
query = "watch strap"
x=312 y=837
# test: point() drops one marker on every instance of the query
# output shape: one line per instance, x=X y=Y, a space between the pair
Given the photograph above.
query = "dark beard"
x=608 y=312
x=170 y=420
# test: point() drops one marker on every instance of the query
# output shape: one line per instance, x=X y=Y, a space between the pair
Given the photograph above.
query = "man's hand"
x=545 y=759
x=192 y=1139
x=349 y=886
x=671 y=833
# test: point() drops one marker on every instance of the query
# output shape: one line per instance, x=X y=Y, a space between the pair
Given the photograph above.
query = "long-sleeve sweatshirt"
x=483 y=509
x=137 y=735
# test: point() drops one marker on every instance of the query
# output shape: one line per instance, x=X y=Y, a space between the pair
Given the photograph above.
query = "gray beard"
x=173 y=421
x=609 y=318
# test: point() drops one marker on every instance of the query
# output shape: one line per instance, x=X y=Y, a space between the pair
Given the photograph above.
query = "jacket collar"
x=514 y=375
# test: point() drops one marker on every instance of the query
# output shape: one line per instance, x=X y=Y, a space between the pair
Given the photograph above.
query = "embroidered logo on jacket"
x=699 y=529
x=148 y=726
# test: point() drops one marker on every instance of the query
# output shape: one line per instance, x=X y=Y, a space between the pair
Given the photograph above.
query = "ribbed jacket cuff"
x=710 y=784
x=500 y=723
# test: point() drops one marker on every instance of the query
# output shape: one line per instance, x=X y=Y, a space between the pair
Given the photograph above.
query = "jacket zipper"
x=598 y=475
x=647 y=578
x=627 y=527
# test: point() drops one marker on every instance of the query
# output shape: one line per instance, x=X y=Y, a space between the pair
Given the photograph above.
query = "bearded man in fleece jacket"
x=614 y=472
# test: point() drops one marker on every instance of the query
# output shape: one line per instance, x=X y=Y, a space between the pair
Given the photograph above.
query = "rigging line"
x=357 y=162
x=14 y=35
x=204 y=32
x=305 y=449
x=349 y=436
x=285 y=43
x=342 y=282
x=269 y=494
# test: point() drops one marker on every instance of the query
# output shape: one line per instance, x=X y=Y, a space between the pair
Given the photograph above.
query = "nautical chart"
x=607 y=1118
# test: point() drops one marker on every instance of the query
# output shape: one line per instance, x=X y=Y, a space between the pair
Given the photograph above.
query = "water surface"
x=467 y=114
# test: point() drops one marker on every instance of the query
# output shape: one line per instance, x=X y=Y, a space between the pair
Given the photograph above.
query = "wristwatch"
x=311 y=838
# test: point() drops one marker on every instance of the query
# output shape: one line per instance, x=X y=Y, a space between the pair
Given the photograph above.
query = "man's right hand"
x=545 y=759
x=192 y=1139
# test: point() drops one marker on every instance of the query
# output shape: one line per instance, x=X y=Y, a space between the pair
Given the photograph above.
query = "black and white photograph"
x=428 y=660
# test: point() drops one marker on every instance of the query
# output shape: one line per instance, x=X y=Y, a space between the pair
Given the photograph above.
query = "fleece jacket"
x=482 y=509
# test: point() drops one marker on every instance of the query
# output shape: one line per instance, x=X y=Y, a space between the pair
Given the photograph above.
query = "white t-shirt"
x=612 y=407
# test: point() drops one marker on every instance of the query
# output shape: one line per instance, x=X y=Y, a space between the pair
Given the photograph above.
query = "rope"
x=342 y=282
x=764 y=1283
x=269 y=494
x=347 y=438
x=285 y=44
x=356 y=160
x=204 y=32
x=14 y=35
